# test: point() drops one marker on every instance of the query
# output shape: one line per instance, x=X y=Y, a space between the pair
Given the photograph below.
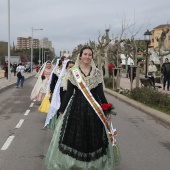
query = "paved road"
x=30 y=142
x=143 y=140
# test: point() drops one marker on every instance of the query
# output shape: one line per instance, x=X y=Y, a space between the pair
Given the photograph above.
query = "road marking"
x=34 y=100
x=31 y=105
x=20 y=123
x=7 y=143
x=26 y=113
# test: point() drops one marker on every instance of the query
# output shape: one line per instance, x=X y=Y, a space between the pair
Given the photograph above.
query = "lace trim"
x=85 y=157
x=92 y=80
x=64 y=82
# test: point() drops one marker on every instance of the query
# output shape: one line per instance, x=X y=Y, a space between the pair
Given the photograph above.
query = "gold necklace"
x=86 y=79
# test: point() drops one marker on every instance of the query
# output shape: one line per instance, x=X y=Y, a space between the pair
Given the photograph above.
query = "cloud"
x=69 y=23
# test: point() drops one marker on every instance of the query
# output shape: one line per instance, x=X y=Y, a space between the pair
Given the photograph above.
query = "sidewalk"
x=5 y=83
x=125 y=84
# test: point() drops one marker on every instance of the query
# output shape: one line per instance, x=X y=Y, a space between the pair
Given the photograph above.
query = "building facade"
x=45 y=43
x=25 y=43
x=64 y=53
x=156 y=34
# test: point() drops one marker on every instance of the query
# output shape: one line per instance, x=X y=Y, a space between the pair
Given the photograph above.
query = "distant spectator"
x=133 y=71
x=111 y=67
x=103 y=69
x=152 y=71
x=37 y=68
x=14 y=68
x=63 y=58
x=166 y=73
x=6 y=69
x=28 y=68
x=20 y=75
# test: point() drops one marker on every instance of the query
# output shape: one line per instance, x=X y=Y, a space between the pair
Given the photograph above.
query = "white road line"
x=26 y=113
x=7 y=143
x=31 y=104
x=34 y=100
x=20 y=123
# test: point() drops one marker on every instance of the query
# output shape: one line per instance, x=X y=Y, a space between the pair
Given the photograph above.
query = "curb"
x=153 y=112
x=12 y=84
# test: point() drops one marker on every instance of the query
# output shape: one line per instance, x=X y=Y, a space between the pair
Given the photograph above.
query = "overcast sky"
x=68 y=23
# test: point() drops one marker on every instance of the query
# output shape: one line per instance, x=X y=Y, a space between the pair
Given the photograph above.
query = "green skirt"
x=56 y=160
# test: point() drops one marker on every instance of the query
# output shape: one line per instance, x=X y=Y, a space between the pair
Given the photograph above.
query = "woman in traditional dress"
x=64 y=80
x=40 y=89
x=60 y=83
x=81 y=140
x=55 y=75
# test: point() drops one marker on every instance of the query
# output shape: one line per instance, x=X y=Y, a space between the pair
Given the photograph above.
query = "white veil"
x=38 y=83
x=55 y=102
x=49 y=82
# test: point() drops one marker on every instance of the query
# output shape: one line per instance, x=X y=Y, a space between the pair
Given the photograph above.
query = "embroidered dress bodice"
x=92 y=79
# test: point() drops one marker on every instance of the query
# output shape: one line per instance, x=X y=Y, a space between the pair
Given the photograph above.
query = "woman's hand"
x=60 y=113
x=108 y=117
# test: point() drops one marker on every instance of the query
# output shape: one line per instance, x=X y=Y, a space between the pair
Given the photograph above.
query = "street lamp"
x=39 y=60
x=9 y=62
x=147 y=35
x=44 y=55
x=32 y=44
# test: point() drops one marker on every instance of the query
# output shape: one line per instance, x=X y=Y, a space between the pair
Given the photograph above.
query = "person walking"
x=58 y=93
x=152 y=71
x=81 y=138
x=14 y=68
x=165 y=70
x=20 y=75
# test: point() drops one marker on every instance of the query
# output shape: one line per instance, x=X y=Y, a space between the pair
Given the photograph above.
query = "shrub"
x=152 y=98
x=108 y=82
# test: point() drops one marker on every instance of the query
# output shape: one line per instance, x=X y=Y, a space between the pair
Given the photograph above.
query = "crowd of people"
x=13 y=68
x=83 y=135
x=151 y=74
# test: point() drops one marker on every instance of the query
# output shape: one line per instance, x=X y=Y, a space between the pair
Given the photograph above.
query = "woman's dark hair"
x=60 y=63
x=84 y=48
x=153 y=62
x=48 y=61
x=69 y=62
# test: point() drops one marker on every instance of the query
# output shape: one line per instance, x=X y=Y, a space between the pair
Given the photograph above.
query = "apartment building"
x=156 y=33
x=25 y=43
x=46 y=43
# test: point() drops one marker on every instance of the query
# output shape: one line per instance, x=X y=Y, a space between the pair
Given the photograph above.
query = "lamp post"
x=147 y=35
x=9 y=62
x=32 y=44
x=42 y=51
x=44 y=55
x=39 y=60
